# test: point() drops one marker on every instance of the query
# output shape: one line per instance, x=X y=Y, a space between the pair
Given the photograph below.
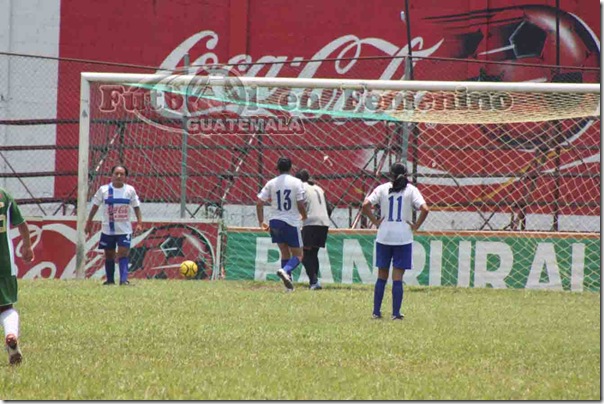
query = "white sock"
x=10 y=322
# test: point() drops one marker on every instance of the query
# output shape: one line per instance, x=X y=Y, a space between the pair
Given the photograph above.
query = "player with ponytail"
x=397 y=199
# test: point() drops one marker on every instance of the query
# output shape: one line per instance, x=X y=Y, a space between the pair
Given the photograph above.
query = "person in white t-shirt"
x=286 y=196
x=315 y=227
x=396 y=199
x=116 y=198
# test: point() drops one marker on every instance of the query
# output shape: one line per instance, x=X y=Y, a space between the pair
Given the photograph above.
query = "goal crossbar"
x=317 y=83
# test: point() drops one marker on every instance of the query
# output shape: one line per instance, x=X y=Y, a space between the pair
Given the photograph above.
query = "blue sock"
x=123 y=269
x=378 y=295
x=397 y=297
x=291 y=265
x=110 y=270
x=284 y=263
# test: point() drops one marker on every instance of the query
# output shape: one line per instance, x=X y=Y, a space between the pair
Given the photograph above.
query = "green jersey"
x=10 y=216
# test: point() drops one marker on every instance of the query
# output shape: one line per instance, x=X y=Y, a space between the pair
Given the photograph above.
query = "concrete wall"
x=28 y=90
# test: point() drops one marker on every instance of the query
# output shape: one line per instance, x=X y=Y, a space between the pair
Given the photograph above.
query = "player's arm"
x=367 y=207
x=27 y=252
x=263 y=196
x=330 y=207
x=302 y=209
x=260 y=214
x=136 y=206
x=88 y=227
x=368 y=211
x=139 y=219
x=418 y=203
x=16 y=217
x=301 y=201
x=424 y=210
x=97 y=200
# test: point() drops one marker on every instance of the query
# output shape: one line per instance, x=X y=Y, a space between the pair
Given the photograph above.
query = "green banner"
x=528 y=261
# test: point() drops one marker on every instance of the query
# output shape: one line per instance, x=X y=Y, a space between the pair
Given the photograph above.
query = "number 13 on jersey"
x=284 y=201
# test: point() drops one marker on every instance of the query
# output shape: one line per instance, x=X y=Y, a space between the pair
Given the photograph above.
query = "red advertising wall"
x=154 y=32
x=306 y=33
x=156 y=252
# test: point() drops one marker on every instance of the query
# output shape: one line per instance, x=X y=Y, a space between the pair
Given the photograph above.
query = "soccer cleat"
x=126 y=283
x=402 y=316
x=286 y=279
x=108 y=283
x=316 y=286
x=12 y=347
x=376 y=316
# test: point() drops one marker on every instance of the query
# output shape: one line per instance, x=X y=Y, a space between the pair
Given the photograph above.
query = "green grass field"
x=195 y=340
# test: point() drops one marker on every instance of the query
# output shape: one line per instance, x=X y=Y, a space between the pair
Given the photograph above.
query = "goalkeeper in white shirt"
x=315 y=227
x=396 y=199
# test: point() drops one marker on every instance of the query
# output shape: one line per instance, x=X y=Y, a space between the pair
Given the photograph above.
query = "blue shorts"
x=108 y=242
x=282 y=232
x=399 y=255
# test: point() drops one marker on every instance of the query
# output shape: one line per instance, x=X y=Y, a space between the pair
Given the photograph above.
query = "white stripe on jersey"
x=123 y=198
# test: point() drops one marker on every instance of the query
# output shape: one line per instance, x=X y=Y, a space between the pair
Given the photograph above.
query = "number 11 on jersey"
x=399 y=208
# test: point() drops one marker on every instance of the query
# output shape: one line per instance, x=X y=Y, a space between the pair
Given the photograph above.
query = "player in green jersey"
x=10 y=216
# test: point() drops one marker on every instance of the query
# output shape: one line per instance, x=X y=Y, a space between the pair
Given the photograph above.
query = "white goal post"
x=341 y=120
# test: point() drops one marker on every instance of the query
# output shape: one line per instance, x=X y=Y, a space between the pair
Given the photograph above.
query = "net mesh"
x=461 y=104
x=486 y=161
x=348 y=141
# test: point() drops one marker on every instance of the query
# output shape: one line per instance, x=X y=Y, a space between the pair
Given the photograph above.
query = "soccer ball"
x=188 y=269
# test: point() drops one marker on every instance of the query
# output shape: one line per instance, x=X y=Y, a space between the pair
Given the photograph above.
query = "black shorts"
x=314 y=236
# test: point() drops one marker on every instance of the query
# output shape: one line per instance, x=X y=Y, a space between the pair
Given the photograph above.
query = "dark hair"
x=303 y=175
x=284 y=164
x=398 y=176
x=119 y=165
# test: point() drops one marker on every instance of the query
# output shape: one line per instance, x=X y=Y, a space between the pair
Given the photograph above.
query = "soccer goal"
x=511 y=170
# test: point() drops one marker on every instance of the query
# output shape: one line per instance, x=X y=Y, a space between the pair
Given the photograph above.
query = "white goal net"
x=488 y=157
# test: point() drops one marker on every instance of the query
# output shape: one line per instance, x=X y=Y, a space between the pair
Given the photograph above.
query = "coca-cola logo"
x=209 y=98
x=257 y=107
x=346 y=50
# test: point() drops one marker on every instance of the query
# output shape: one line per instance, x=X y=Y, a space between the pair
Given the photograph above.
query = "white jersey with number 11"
x=396 y=211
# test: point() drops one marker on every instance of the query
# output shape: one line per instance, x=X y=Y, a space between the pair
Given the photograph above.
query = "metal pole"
x=405 y=127
x=406 y=17
x=183 y=159
x=83 y=161
x=557 y=131
x=557 y=36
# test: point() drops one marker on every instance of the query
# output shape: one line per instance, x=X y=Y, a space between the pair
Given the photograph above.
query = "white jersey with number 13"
x=283 y=192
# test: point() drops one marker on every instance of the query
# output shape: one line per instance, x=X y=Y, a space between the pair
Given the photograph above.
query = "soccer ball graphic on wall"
x=161 y=252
